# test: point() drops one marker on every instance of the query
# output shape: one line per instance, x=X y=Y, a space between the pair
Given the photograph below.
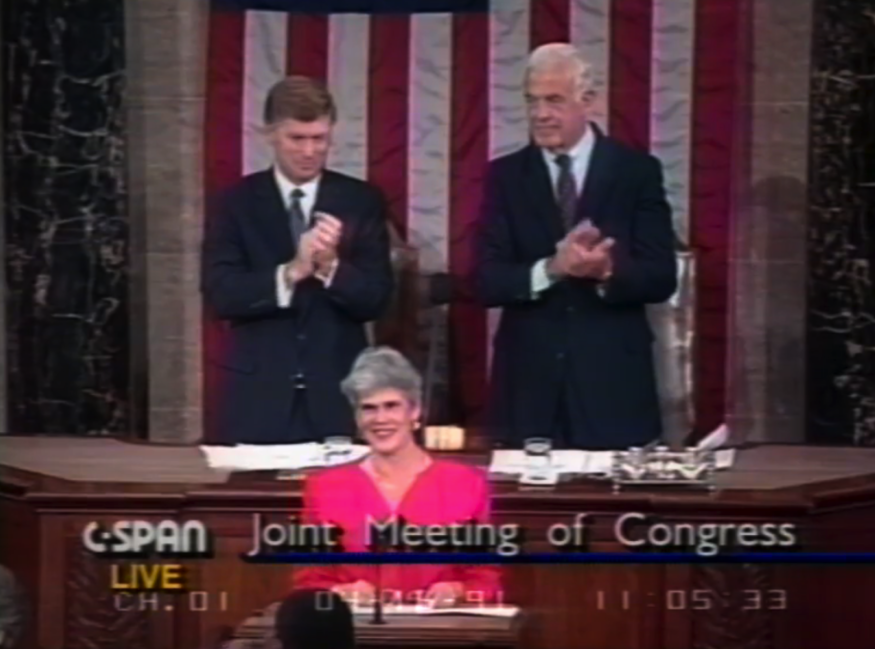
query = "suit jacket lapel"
x=598 y=182
x=272 y=218
x=540 y=194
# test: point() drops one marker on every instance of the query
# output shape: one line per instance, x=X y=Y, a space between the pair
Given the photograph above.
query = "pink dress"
x=444 y=493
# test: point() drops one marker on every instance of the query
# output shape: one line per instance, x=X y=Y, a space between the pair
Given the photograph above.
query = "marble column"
x=167 y=58
x=767 y=348
x=841 y=229
x=66 y=251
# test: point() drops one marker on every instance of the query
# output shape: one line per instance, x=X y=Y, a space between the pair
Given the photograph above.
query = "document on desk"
x=513 y=462
x=269 y=457
x=421 y=609
x=715 y=439
x=724 y=458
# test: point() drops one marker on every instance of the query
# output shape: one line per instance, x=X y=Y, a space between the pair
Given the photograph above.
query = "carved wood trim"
x=92 y=620
x=733 y=624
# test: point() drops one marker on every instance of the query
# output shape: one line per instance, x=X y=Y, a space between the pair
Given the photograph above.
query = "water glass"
x=337 y=449
x=538 y=450
x=636 y=462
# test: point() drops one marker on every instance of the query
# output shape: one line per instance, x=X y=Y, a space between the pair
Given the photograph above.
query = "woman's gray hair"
x=563 y=55
x=381 y=368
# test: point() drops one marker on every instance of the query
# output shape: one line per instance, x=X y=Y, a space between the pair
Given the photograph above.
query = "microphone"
x=379 y=542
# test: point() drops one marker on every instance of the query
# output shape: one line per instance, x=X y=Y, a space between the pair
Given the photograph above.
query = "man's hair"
x=563 y=55
x=299 y=98
x=315 y=619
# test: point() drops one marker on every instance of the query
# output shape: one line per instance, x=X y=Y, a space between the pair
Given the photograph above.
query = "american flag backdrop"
x=429 y=90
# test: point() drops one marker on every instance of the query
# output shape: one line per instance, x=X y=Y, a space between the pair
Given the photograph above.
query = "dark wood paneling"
x=567 y=606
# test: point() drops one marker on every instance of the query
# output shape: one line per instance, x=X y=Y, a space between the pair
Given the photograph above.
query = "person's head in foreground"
x=315 y=619
x=299 y=117
x=560 y=91
x=385 y=391
x=11 y=610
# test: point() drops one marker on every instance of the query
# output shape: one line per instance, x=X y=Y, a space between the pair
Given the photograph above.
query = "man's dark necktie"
x=566 y=191
x=297 y=221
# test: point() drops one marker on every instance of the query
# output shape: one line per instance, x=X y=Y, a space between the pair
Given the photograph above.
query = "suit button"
x=302 y=337
x=560 y=356
x=570 y=309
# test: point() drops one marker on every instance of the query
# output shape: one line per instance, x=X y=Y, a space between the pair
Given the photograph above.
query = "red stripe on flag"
x=223 y=150
x=716 y=94
x=307 y=46
x=550 y=20
x=388 y=105
x=742 y=190
x=223 y=145
x=469 y=155
x=631 y=51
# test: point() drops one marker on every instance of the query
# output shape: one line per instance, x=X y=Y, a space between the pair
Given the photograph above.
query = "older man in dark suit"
x=576 y=239
x=296 y=258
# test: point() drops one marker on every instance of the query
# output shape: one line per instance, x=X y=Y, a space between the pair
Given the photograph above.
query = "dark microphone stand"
x=378 y=548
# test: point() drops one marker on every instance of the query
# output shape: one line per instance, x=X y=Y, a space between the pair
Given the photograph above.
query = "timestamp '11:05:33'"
x=774 y=599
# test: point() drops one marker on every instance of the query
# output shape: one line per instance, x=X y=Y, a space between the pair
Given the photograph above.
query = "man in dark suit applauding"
x=576 y=239
x=296 y=258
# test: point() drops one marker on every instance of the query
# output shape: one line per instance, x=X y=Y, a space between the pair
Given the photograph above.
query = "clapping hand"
x=585 y=234
x=583 y=253
x=326 y=237
x=317 y=249
x=303 y=265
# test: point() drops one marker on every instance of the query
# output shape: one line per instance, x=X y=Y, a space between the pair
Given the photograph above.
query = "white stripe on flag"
x=428 y=165
x=671 y=101
x=429 y=139
x=590 y=32
x=264 y=64
x=348 y=82
x=509 y=28
x=508 y=50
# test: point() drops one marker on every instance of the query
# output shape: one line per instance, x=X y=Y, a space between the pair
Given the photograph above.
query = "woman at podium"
x=397 y=487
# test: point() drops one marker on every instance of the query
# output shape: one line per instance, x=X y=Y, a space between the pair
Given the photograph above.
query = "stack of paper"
x=713 y=441
x=249 y=457
x=424 y=609
x=513 y=462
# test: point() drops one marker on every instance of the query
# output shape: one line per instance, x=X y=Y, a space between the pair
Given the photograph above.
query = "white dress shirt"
x=580 y=154
x=284 y=292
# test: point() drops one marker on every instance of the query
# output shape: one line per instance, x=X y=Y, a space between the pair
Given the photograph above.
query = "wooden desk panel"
x=400 y=632
x=573 y=607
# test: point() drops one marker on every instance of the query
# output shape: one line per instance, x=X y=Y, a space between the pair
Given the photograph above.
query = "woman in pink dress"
x=398 y=480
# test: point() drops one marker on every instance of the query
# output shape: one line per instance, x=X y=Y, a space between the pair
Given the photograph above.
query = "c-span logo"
x=139 y=540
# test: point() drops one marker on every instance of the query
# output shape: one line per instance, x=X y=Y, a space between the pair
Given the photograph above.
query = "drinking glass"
x=538 y=450
x=636 y=462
